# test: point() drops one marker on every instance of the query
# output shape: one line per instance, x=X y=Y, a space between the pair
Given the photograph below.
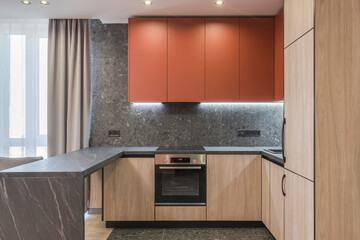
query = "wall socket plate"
x=114 y=133
x=248 y=133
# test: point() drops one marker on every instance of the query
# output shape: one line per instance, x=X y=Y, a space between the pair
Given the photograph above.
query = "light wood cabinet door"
x=299 y=207
x=265 y=192
x=180 y=213
x=298 y=19
x=299 y=106
x=129 y=190
x=277 y=202
x=234 y=188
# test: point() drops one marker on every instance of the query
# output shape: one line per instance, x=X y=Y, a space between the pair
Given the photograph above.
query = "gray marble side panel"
x=41 y=208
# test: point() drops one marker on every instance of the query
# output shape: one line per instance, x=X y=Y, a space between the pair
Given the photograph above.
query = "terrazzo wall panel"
x=173 y=124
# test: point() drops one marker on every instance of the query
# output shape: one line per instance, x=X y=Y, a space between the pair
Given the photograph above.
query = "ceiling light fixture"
x=43 y=2
x=219 y=2
x=26 y=2
x=148 y=2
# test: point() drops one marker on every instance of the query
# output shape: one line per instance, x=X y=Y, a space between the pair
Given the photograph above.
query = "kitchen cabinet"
x=233 y=188
x=299 y=207
x=277 y=201
x=279 y=56
x=147 y=81
x=222 y=60
x=186 y=59
x=129 y=187
x=298 y=19
x=273 y=200
x=299 y=106
x=95 y=199
x=257 y=59
x=180 y=213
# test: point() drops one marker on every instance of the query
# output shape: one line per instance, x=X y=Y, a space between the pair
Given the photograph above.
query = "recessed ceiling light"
x=219 y=2
x=26 y=2
x=43 y=2
x=148 y=3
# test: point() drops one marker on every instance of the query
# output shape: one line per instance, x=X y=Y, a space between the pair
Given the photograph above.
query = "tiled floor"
x=191 y=233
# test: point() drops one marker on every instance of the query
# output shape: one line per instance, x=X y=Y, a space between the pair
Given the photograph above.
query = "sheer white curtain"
x=23 y=88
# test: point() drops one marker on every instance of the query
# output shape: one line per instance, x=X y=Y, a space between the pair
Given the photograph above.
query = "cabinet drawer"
x=181 y=213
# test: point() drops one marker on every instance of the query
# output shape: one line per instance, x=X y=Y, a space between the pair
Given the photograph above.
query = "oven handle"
x=180 y=168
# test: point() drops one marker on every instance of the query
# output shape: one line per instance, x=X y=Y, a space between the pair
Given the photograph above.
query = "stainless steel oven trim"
x=180 y=168
x=195 y=159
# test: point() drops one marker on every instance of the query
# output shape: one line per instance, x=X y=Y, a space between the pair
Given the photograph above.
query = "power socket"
x=248 y=133
x=114 y=133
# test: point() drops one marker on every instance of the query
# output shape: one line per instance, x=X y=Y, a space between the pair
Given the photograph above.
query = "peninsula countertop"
x=83 y=162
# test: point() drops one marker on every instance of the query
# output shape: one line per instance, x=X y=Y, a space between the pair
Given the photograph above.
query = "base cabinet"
x=234 y=188
x=273 y=199
x=129 y=190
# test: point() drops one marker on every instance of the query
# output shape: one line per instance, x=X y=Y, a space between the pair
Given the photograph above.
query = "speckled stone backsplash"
x=173 y=124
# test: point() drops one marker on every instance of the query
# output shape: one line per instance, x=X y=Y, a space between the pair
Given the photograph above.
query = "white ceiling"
x=118 y=11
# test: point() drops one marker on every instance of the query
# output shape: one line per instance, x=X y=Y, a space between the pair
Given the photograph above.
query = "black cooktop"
x=181 y=148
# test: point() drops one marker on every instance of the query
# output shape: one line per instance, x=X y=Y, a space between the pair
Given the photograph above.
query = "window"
x=23 y=88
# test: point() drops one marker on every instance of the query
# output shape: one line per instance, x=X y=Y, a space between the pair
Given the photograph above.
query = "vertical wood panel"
x=96 y=190
x=299 y=208
x=186 y=59
x=298 y=18
x=279 y=56
x=299 y=106
x=233 y=188
x=257 y=59
x=265 y=192
x=147 y=60
x=222 y=60
x=129 y=190
x=337 y=138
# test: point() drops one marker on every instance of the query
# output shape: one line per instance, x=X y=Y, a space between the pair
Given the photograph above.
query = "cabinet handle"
x=283 y=139
x=282 y=185
x=180 y=168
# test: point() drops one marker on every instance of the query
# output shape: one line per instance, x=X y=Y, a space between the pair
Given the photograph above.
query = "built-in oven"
x=180 y=179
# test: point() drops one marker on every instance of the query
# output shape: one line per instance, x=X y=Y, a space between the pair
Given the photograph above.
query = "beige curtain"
x=69 y=83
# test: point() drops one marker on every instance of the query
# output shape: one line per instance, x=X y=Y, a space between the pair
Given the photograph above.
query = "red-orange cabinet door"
x=222 y=60
x=147 y=60
x=279 y=56
x=186 y=59
x=257 y=59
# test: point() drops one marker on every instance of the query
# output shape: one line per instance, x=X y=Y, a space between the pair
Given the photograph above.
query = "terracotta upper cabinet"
x=147 y=60
x=222 y=60
x=186 y=59
x=279 y=56
x=257 y=59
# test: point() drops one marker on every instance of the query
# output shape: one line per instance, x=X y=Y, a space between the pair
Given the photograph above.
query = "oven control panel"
x=180 y=159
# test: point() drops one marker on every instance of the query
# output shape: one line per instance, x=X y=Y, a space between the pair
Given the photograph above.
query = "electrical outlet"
x=114 y=133
x=248 y=133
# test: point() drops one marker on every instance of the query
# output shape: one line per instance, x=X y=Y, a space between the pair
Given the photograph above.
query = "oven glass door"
x=180 y=185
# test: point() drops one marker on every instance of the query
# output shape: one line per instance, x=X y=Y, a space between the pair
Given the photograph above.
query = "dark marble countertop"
x=83 y=162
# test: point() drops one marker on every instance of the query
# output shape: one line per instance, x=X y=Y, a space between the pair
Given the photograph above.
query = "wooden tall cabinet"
x=233 y=188
x=129 y=190
x=299 y=106
x=299 y=207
